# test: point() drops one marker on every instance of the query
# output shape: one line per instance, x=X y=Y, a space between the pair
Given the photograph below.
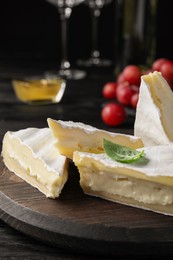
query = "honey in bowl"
x=39 y=91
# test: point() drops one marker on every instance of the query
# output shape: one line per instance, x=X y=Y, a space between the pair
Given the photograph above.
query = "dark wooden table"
x=82 y=102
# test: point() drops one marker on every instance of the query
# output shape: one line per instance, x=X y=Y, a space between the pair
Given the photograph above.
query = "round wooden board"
x=79 y=222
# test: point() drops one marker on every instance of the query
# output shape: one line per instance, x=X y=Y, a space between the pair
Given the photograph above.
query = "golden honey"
x=39 y=91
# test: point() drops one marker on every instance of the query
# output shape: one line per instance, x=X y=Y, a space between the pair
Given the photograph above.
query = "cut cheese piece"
x=71 y=136
x=154 y=111
x=146 y=183
x=31 y=155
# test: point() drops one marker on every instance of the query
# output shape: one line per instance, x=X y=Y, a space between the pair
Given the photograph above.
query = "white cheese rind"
x=31 y=152
x=147 y=183
x=72 y=136
x=89 y=130
x=157 y=162
x=154 y=113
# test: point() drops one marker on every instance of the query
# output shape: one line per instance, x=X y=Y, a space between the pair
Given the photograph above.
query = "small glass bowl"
x=39 y=90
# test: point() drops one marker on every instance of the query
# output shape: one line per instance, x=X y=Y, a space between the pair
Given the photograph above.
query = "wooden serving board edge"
x=62 y=236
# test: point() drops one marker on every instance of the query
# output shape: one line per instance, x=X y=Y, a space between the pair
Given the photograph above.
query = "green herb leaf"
x=121 y=153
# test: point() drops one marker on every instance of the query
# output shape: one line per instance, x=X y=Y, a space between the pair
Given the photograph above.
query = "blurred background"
x=30 y=30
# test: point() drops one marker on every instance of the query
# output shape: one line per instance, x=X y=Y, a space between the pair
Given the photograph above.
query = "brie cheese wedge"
x=146 y=183
x=31 y=155
x=72 y=136
x=154 y=113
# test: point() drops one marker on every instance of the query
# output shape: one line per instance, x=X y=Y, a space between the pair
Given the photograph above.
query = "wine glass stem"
x=95 y=14
x=64 y=17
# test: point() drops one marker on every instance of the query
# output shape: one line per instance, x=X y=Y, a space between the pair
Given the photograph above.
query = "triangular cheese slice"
x=31 y=155
x=154 y=113
x=146 y=183
x=73 y=136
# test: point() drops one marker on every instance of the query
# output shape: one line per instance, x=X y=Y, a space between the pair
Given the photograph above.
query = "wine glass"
x=64 y=8
x=95 y=58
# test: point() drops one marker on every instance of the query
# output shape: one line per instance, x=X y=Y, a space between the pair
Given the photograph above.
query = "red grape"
x=109 y=90
x=120 y=78
x=134 y=100
x=132 y=74
x=124 y=95
x=113 y=114
x=158 y=63
x=167 y=70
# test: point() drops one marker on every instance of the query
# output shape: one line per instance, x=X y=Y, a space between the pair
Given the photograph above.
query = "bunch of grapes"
x=125 y=90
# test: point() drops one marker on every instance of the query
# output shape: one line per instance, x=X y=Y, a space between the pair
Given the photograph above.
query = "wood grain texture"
x=74 y=226
x=81 y=223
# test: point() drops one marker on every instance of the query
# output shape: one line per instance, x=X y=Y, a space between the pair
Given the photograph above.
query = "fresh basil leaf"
x=121 y=153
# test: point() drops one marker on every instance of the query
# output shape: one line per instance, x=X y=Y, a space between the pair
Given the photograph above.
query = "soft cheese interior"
x=154 y=114
x=31 y=155
x=72 y=136
x=147 y=183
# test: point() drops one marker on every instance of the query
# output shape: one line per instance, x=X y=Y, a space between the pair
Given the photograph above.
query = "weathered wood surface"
x=75 y=224
x=80 y=223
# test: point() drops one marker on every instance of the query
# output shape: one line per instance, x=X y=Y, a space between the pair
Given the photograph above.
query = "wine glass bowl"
x=95 y=57
x=64 y=8
x=65 y=3
x=97 y=3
